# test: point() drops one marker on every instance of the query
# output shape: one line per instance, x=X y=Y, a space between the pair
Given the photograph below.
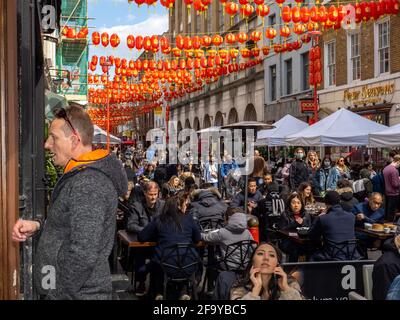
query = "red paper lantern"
x=255 y=52
x=241 y=37
x=196 y=42
x=71 y=33
x=314 y=17
x=114 y=40
x=139 y=42
x=299 y=28
x=245 y=52
x=246 y=10
x=231 y=8
x=270 y=33
x=164 y=42
x=206 y=41
x=323 y=14
x=230 y=38
x=179 y=42
x=333 y=13
x=286 y=14
x=104 y=39
x=255 y=36
x=146 y=43
x=285 y=31
x=265 y=51
x=187 y=43
x=154 y=42
x=217 y=40
x=262 y=10
x=130 y=41
x=96 y=38
x=304 y=14
x=296 y=14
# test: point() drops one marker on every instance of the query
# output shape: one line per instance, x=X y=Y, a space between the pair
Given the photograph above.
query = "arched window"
x=233 y=116
x=250 y=114
x=219 y=120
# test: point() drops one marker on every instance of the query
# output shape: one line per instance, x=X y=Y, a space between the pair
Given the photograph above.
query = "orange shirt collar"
x=85 y=159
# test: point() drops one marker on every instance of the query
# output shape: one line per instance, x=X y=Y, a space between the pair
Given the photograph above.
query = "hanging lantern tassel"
x=188 y=10
x=232 y=20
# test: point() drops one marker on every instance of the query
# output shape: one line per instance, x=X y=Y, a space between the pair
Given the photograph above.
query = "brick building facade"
x=361 y=70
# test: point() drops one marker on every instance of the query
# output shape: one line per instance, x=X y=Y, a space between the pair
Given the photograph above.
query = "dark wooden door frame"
x=9 y=150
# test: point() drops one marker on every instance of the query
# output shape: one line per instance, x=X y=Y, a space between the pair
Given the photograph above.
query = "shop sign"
x=368 y=95
x=307 y=106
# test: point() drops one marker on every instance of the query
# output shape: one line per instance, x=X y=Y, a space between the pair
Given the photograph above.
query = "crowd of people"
x=284 y=200
x=196 y=213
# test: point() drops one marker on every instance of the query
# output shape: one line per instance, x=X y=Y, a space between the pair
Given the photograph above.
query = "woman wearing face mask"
x=298 y=171
x=326 y=176
x=265 y=279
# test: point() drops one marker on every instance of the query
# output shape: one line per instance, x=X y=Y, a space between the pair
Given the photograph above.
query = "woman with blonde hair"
x=171 y=187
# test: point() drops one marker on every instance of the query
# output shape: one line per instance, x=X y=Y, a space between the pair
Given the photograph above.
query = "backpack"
x=378 y=183
x=275 y=205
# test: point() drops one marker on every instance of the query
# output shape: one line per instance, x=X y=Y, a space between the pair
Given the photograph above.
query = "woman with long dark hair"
x=171 y=227
x=265 y=279
x=306 y=194
x=294 y=217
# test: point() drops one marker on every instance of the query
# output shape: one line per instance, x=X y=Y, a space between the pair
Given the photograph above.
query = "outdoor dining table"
x=294 y=236
x=375 y=234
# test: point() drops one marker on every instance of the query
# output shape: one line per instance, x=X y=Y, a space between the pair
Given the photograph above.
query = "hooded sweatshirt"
x=78 y=235
x=235 y=231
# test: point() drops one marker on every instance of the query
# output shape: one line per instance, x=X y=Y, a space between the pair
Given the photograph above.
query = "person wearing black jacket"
x=253 y=196
x=207 y=204
x=172 y=226
x=142 y=213
x=386 y=268
x=295 y=216
x=298 y=171
x=336 y=226
x=269 y=211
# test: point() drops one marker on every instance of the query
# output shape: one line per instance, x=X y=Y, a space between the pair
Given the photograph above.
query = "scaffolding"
x=72 y=53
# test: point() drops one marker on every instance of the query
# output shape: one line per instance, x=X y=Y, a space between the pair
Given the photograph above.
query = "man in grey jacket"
x=77 y=237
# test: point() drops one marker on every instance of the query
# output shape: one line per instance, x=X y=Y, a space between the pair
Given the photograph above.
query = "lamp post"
x=315 y=39
x=108 y=64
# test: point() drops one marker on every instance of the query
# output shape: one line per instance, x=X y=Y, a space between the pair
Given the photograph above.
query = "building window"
x=305 y=61
x=355 y=56
x=330 y=58
x=236 y=19
x=209 y=18
x=197 y=23
x=272 y=20
x=288 y=69
x=272 y=76
x=221 y=17
x=383 y=47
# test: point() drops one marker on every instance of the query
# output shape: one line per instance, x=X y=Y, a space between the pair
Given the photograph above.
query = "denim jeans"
x=394 y=290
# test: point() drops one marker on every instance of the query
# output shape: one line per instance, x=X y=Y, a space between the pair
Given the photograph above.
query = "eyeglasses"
x=62 y=114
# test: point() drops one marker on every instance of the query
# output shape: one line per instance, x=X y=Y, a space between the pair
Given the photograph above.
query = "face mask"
x=327 y=163
x=299 y=156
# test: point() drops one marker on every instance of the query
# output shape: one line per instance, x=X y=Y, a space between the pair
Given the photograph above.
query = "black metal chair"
x=344 y=250
x=211 y=224
x=237 y=257
x=179 y=263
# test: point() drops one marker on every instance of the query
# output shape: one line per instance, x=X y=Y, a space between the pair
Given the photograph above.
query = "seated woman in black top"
x=294 y=217
x=171 y=227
